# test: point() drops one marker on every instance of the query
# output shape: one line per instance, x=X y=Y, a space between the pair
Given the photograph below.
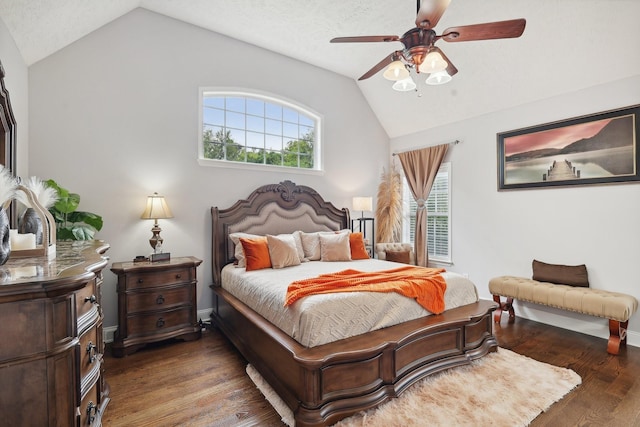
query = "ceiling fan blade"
x=430 y=12
x=451 y=69
x=491 y=30
x=380 y=65
x=365 y=39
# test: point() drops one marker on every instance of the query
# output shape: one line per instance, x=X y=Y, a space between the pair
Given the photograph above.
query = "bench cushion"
x=595 y=302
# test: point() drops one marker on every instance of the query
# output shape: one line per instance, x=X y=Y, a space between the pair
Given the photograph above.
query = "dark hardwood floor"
x=203 y=383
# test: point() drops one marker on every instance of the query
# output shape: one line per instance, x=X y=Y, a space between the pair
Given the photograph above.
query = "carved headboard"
x=8 y=139
x=271 y=209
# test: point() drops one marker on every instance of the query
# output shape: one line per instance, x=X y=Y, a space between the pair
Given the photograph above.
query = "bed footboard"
x=326 y=383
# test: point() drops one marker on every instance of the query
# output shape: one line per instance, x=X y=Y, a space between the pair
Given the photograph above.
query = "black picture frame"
x=599 y=148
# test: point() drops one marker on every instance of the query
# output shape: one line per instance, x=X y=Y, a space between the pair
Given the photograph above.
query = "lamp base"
x=164 y=256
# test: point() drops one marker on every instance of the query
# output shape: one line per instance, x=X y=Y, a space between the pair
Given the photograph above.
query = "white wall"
x=114 y=117
x=500 y=233
x=16 y=82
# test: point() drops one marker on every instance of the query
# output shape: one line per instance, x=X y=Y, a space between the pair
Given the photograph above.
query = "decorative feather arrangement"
x=45 y=195
x=389 y=207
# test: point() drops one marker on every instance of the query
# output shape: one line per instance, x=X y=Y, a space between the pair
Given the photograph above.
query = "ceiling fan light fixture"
x=433 y=63
x=404 y=85
x=396 y=71
x=439 y=78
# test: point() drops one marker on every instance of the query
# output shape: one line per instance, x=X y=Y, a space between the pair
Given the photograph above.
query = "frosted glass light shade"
x=433 y=63
x=439 y=78
x=404 y=85
x=363 y=204
x=396 y=71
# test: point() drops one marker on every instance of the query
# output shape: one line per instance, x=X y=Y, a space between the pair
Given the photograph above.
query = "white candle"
x=22 y=241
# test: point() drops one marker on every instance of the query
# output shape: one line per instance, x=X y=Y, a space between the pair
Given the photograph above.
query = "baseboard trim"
x=108 y=332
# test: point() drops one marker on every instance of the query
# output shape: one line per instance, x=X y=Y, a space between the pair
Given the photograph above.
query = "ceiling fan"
x=420 y=51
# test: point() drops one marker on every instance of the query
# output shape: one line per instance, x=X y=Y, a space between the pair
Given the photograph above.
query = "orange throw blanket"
x=425 y=285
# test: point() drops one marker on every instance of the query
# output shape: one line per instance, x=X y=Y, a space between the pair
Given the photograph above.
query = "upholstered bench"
x=616 y=307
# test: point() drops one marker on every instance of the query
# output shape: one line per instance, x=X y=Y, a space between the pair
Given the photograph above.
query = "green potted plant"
x=72 y=224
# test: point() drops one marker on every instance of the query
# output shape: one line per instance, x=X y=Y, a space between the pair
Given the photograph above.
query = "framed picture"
x=596 y=149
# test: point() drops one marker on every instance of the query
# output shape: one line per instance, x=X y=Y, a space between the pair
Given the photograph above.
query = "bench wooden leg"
x=617 y=335
x=507 y=305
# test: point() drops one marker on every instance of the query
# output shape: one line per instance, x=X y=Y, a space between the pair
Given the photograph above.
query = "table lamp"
x=363 y=204
x=156 y=209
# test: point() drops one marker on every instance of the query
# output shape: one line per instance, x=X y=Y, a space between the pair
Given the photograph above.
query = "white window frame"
x=316 y=118
x=409 y=205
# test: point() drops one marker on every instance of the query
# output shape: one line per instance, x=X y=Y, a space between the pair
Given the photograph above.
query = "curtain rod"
x=456 y=142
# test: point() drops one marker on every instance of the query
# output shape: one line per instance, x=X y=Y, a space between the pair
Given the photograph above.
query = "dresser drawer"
x=147 y=279
x=86 y=298
x=90 y=355
x=156 y=323
x=159 y=299
x=90 y=408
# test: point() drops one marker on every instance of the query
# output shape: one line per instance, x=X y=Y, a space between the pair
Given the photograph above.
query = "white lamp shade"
x=439 y=78
x=433 y=63
x=396 y=71
x=363 y=204
x=404 y=85
x=156 y=208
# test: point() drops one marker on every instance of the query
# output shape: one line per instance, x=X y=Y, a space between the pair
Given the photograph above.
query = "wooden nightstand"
x=156 y=301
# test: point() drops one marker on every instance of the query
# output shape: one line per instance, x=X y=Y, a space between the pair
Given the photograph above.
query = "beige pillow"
x=238 y=251
x=335 y=247
x=299 y=248
x=311 y=243
x=283 y=251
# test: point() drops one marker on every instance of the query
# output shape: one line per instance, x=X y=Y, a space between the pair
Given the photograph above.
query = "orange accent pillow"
x=358 y=249
x=256 y=253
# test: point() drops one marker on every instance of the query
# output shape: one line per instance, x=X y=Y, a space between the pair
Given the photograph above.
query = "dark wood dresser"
x=51 y=343
x=156 y=301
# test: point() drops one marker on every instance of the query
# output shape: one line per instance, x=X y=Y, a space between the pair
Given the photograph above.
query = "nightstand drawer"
x=86 y=298
x=149 y=279
x=158 y=299
x=156 y=323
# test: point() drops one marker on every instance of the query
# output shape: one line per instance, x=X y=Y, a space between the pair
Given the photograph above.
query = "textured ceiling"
x=567 y=45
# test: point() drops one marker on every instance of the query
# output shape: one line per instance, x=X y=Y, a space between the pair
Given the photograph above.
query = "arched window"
x=246 y=128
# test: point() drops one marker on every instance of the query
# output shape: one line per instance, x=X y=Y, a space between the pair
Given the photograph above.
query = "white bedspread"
x=319 y=319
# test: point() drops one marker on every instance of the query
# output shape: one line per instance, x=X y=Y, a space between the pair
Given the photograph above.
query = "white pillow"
x=238 y=251
x=335 y=247
x=283 y=251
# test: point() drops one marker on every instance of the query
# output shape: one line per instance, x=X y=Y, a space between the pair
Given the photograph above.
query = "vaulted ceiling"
x=567 y=45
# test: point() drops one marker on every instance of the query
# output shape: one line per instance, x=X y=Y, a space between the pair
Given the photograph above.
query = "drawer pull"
x=160 y=300
x=178 y=276
x=140 y=281
x=92 y=412
x=91 y=351
x=92 y=299
x=160 y=323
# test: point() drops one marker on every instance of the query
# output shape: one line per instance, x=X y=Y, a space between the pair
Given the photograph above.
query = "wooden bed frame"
x=329 y=382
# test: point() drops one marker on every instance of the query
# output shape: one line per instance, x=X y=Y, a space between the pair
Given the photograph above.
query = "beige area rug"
x=501 y=389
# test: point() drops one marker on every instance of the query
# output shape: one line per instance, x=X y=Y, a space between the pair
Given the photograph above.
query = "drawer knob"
x=92 y=299
x=178 y=276
x=160 y=299
x=92 y=411
x=160 y=323
x=91 y=351
x=140 y=281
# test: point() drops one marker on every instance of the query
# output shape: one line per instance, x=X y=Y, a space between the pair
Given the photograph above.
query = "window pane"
x=290 y=130
x=255 y=107
x=274 y=158
x=273 y=111
x=255 y=155
x=255 y=124
x=234 y=120
x=213 y=101
x=273 y=142
x=306 y=121
x=273 y=127
x=289 y=115
x=235 y=104
x=305 y=132
x=255 y=139
x=213 y=116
